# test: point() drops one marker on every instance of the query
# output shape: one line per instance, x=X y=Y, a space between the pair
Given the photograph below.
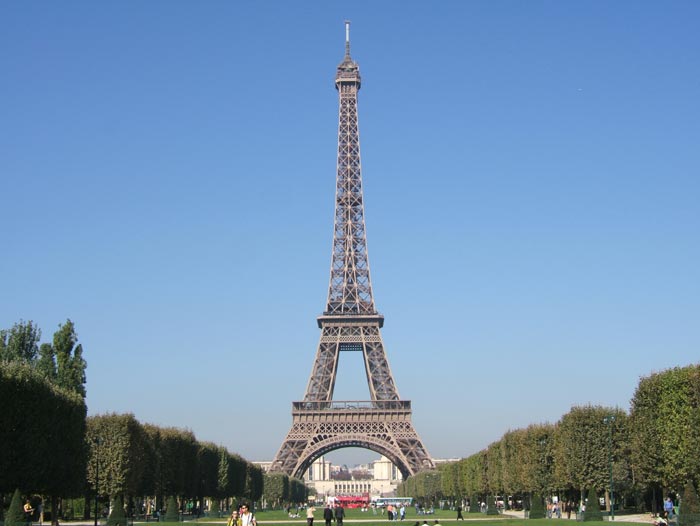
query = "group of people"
x=242 y=516
x=395 y=513
x=667 y=514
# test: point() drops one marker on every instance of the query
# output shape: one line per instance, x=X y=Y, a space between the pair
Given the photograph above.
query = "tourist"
x=668 y=508
x=28 y=512
x=310 y=515
x=246 y=517
x=339 y=514
x=459 y=513
x=328 y=514
x=233 y=519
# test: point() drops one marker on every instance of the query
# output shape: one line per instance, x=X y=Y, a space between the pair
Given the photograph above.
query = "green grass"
x=481 y=519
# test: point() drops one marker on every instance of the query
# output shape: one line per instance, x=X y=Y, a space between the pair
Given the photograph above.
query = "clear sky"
x=532 y=183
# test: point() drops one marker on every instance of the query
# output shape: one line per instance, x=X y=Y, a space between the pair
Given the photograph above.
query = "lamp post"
x=97 y=475
x=609 y=421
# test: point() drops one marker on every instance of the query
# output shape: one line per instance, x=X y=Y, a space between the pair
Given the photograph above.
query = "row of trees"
x=654 y=449
x=44 y=390
x=279 y=488
x=49 y=446
x=138 y=461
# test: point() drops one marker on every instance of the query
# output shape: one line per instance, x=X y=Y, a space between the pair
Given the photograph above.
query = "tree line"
x=49 y=447
x=648 y=452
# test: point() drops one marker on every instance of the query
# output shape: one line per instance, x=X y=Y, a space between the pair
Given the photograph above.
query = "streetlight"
x=609 y=420
x=97 y=474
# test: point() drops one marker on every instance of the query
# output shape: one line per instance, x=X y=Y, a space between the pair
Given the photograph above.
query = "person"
x=402 y=511
x=246 y=517
x=668 y=508
x=328 y=514
x=28 y=512
x=233 y=519
x=339 y=514
x=310 y=515
x=390 y=512
x=660 y=521
x=459 y=513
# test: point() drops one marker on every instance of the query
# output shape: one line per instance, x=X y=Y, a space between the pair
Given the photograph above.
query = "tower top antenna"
x=347 y=38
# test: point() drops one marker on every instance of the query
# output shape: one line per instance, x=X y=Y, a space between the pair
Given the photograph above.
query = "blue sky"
x=531 y=191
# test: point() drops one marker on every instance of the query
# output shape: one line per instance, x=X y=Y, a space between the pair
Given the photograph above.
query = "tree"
x=46 y=364
x=117 y=443
x=665 y=434
x=275 y=488
x=29 y=458
x=70 y=372
x=581 y=447
x=20 y=343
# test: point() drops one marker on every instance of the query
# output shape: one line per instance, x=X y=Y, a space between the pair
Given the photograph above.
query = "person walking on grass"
x=246 y=517
x=310 y=515
x=328 y=514
x=339 y=514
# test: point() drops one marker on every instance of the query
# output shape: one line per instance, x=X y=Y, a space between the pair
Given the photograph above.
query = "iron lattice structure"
x=350 y=323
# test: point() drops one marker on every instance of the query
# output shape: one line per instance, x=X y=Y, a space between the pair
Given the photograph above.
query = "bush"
x=592 y=507
x=117 y=517
x=474 y=504
x=491 y=508
x=536 y=507
x=172 y=513
x=689 y=514
x=15 y=514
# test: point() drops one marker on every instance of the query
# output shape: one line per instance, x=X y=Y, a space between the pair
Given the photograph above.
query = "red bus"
x=353 y=501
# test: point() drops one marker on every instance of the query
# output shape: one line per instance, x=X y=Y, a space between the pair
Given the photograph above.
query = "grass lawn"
x=482 y=520
x=280 y=517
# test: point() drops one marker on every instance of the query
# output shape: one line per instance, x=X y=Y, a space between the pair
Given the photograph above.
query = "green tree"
x=70 y=372
x=275 y=488
x=208 y=464
x=46 y=364
x=28 y=457
x=117 y=443
x=581 y=447
x=20 y=343
x=665 y=427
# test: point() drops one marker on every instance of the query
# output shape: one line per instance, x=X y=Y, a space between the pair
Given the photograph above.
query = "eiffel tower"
x=350 y=323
